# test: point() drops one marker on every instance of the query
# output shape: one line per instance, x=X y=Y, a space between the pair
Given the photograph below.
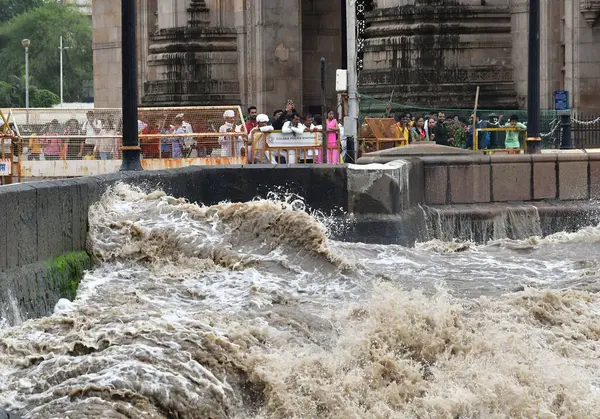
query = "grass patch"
x=66 y=272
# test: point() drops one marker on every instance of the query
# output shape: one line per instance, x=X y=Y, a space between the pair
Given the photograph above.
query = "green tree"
x=41 y=98
x=43 y=26
x=12 y=8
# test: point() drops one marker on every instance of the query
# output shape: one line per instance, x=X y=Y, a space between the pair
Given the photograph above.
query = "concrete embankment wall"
x=44 y=224
x=42 y=250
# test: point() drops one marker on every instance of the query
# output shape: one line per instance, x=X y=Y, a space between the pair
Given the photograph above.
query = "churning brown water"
x=249 y=311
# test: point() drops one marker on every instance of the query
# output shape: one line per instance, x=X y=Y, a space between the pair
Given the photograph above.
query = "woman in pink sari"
x=333 y=149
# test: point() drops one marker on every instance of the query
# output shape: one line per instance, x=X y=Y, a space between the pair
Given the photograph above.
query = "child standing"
x=512 y=137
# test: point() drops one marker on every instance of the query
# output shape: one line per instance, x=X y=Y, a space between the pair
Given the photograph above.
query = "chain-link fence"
x=193 y=132
x=76 y=142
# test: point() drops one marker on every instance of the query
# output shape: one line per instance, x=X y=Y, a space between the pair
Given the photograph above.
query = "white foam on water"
x=249 y=310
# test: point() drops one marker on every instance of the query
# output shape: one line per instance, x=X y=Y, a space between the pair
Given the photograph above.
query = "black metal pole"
x=324 y=106
x=565 y=128
x=534 y=143
x=130 y=147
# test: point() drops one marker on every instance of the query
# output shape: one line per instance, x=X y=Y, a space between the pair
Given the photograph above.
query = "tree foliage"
x=43 y=26
x=12 y=8
x=42 y=98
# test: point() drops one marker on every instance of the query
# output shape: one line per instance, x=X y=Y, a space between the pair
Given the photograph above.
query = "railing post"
x=565 y=128
x=324 y=107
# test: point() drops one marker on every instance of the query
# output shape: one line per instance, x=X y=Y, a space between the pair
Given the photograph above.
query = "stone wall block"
x=27 y=228
x=594 y=176
x=511 y=181
x=436 y=185
x=573 y=177
x=469 y=184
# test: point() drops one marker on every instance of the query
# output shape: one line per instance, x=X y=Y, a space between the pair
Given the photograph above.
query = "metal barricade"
x=275 y=147
x=79 y=142
x=380 y=134
x=498 y=150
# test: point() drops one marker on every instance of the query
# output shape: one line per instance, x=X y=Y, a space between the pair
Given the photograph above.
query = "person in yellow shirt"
x=402 y=131
x=35 y=147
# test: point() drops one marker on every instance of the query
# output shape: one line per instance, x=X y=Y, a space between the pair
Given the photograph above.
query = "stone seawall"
x=472 y=179
x=44 y=224
x=42 y=250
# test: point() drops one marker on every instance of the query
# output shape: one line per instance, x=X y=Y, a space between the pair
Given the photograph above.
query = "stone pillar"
x=277 y=46
x=519 y=11
x=584 y=66
x=106 y=46
x=321 y=37
x=435 y=54
x=552 y=56
x=193 y=62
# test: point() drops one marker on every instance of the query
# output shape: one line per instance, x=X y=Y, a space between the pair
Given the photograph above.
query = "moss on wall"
x=66 y=272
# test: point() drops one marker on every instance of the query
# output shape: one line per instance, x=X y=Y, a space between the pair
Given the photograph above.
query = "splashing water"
x=250 y=311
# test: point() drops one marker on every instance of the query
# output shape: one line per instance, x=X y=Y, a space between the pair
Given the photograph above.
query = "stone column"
x=552 y=57
x=519 y=10
x=106 y=46
x=277 y=50
x=586 y=55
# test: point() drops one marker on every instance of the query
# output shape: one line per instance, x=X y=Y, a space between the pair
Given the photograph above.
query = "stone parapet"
x=467 y=179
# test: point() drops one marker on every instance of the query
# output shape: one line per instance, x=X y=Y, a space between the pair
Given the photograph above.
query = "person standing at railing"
x=53 y=145
x=418 y=133
x=440 y=132
x=294 y=127
x=92 y=128
x=252 y=121
x=177 y=143
x=315 y=126
x=512 y=137
x=256 y=140
x=107 y=143
x=73 y=145
x=333 y=148
x=402 y=130
x=150 y=146
x=35 y=147
x=230 y=145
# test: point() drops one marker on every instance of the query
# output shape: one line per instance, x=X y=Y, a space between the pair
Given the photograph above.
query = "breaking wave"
x=250 y=311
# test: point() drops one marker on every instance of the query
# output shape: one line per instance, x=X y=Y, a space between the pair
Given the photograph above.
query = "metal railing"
x=513 y=150
x=275 y=147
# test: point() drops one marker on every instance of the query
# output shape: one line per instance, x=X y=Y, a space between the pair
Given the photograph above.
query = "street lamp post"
x=534 y=141
x=26 y=43
x=61 y=48
x=131 y=147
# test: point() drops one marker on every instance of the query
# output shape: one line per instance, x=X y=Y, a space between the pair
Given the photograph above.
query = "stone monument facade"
x=427 y=53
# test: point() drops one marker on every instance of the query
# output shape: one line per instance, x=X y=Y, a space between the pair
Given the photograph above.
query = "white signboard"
x=5 y=166
x=307 y=139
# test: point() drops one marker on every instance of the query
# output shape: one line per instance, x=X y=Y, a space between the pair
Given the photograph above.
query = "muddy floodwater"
x=250 y=311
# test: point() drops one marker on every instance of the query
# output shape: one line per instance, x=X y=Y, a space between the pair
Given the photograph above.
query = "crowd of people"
x=454 y=131
x=95 y=138
x=99 y=136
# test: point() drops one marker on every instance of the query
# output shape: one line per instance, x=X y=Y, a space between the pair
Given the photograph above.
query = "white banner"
x=307 y=139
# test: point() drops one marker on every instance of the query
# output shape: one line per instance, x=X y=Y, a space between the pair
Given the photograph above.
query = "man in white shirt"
x=230 y=145
x=263 y=127
x=92 y=128
x=293 y=126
